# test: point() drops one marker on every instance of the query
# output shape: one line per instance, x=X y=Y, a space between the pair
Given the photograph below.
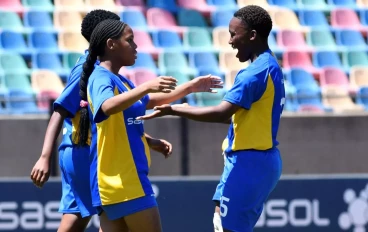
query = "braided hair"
x=106 y=29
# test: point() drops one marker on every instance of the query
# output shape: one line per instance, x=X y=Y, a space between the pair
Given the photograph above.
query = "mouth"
x=237 y=54
x=135 y=54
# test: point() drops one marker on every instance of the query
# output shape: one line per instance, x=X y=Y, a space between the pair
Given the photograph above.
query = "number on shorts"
x=223 y=207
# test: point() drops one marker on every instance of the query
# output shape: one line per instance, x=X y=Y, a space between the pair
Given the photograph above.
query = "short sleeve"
x=244 y=91
x=69 y=99
x=100 y=89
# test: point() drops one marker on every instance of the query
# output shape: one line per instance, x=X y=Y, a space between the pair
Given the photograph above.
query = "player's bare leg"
x=73 y=223
x=150 y=217
x=117 y=225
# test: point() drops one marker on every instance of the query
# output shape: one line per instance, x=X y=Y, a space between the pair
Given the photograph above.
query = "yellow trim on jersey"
x=75 y=127
x=115 y=170
x=253 y=128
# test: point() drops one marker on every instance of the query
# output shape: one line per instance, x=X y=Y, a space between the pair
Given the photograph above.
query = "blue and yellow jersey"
x=69 y=99
x=259 y=91
x=120 y=156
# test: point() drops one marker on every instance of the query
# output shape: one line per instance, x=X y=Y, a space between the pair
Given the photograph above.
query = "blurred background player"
x=255 y=102
x=120 y=187
x=76 y=203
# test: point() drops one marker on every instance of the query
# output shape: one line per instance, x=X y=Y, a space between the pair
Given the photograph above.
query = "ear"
x=253 y=35
x=110 y=44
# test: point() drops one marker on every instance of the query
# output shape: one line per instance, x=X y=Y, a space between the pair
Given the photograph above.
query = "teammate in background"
x=254 y=104
x=120 y=159
x=76 y=202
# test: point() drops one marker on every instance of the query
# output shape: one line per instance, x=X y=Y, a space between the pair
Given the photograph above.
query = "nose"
x=134 y=45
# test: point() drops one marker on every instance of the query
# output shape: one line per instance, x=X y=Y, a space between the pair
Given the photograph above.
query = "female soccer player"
x=120 y=160
x=76 y=203
x=254 y=104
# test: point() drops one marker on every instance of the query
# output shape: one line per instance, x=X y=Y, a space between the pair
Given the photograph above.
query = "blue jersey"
x=69 y=99
x=120 y=156
x=259 y=91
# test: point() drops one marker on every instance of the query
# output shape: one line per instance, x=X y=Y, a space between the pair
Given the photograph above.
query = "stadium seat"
x=134 y=18
x=72 y=41
x=296 y=59
x=45 y=98
x=68 y=4
x=67 y=20
x=17 y=81
x=362 y=97
x=199 y=5
x=138 y=4
x=308 y=97
x=11 y=5
x=321 y=39
x=141 y=75
x=364 y=16
x=191 y=18
x=70 y=59
x=230 y=78
x=289 y=39
x=169 y=61
x=48 y=60
x=180 y=76
x=210 y=99
x=13 y=41
x=41 y=40
x=166 y=39
x=355 y=58
x=284 y=18
x=10 y=20
x=169 y=5
x=144 y=42
x=221 y=18
x=310 y=109
x=326 y=59
x=203 y=61
x=300 y=78
x=342 y=3
x=313 y=18
x=339 y=100
x=161 y=19
x=291 y=4
x=22 y=102
x=221 y=38
x=262 y=3
x=350 y=38
x=358 y=77
x=223 y=4
x=345 y=18
x=38 y=20
x=198 y=39
x=40 y=5
x=13 y=63
x=101 y=4
x=362 y=3
x=228 y=61
x=334 y=77
x=315 y=4
x=46 y=80
x=145 y=60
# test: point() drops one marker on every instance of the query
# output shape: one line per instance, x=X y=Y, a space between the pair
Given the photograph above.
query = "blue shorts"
x=120 y=210
x=76 y=194
x=248 y=178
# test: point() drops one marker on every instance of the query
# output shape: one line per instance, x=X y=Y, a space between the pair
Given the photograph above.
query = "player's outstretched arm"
x=41 y=171
x=218 y=114
x=207 y=83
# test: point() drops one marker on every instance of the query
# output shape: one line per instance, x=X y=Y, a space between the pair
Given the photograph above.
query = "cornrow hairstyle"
x=104 y=30
x=93 y=18
x=256 y=18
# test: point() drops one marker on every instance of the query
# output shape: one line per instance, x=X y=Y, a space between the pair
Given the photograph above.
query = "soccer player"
x=120 y=158
x=76 y=202
x=254 y=105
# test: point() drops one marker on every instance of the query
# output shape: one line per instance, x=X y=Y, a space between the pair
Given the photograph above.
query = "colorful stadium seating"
x=321 y=45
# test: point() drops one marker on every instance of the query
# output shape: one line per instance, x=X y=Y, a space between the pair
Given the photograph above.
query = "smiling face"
x=241 y=38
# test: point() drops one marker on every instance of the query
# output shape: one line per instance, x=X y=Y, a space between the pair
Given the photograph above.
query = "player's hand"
x=41 y=172
x=161 y=84
x=159 y=111
x=206 y=84
x=160 y=145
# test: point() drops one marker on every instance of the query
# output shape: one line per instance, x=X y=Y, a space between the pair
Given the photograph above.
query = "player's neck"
x=107 y=64
x=259 y=50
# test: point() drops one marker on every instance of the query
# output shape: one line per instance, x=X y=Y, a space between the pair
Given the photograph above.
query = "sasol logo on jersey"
x=133 y=121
